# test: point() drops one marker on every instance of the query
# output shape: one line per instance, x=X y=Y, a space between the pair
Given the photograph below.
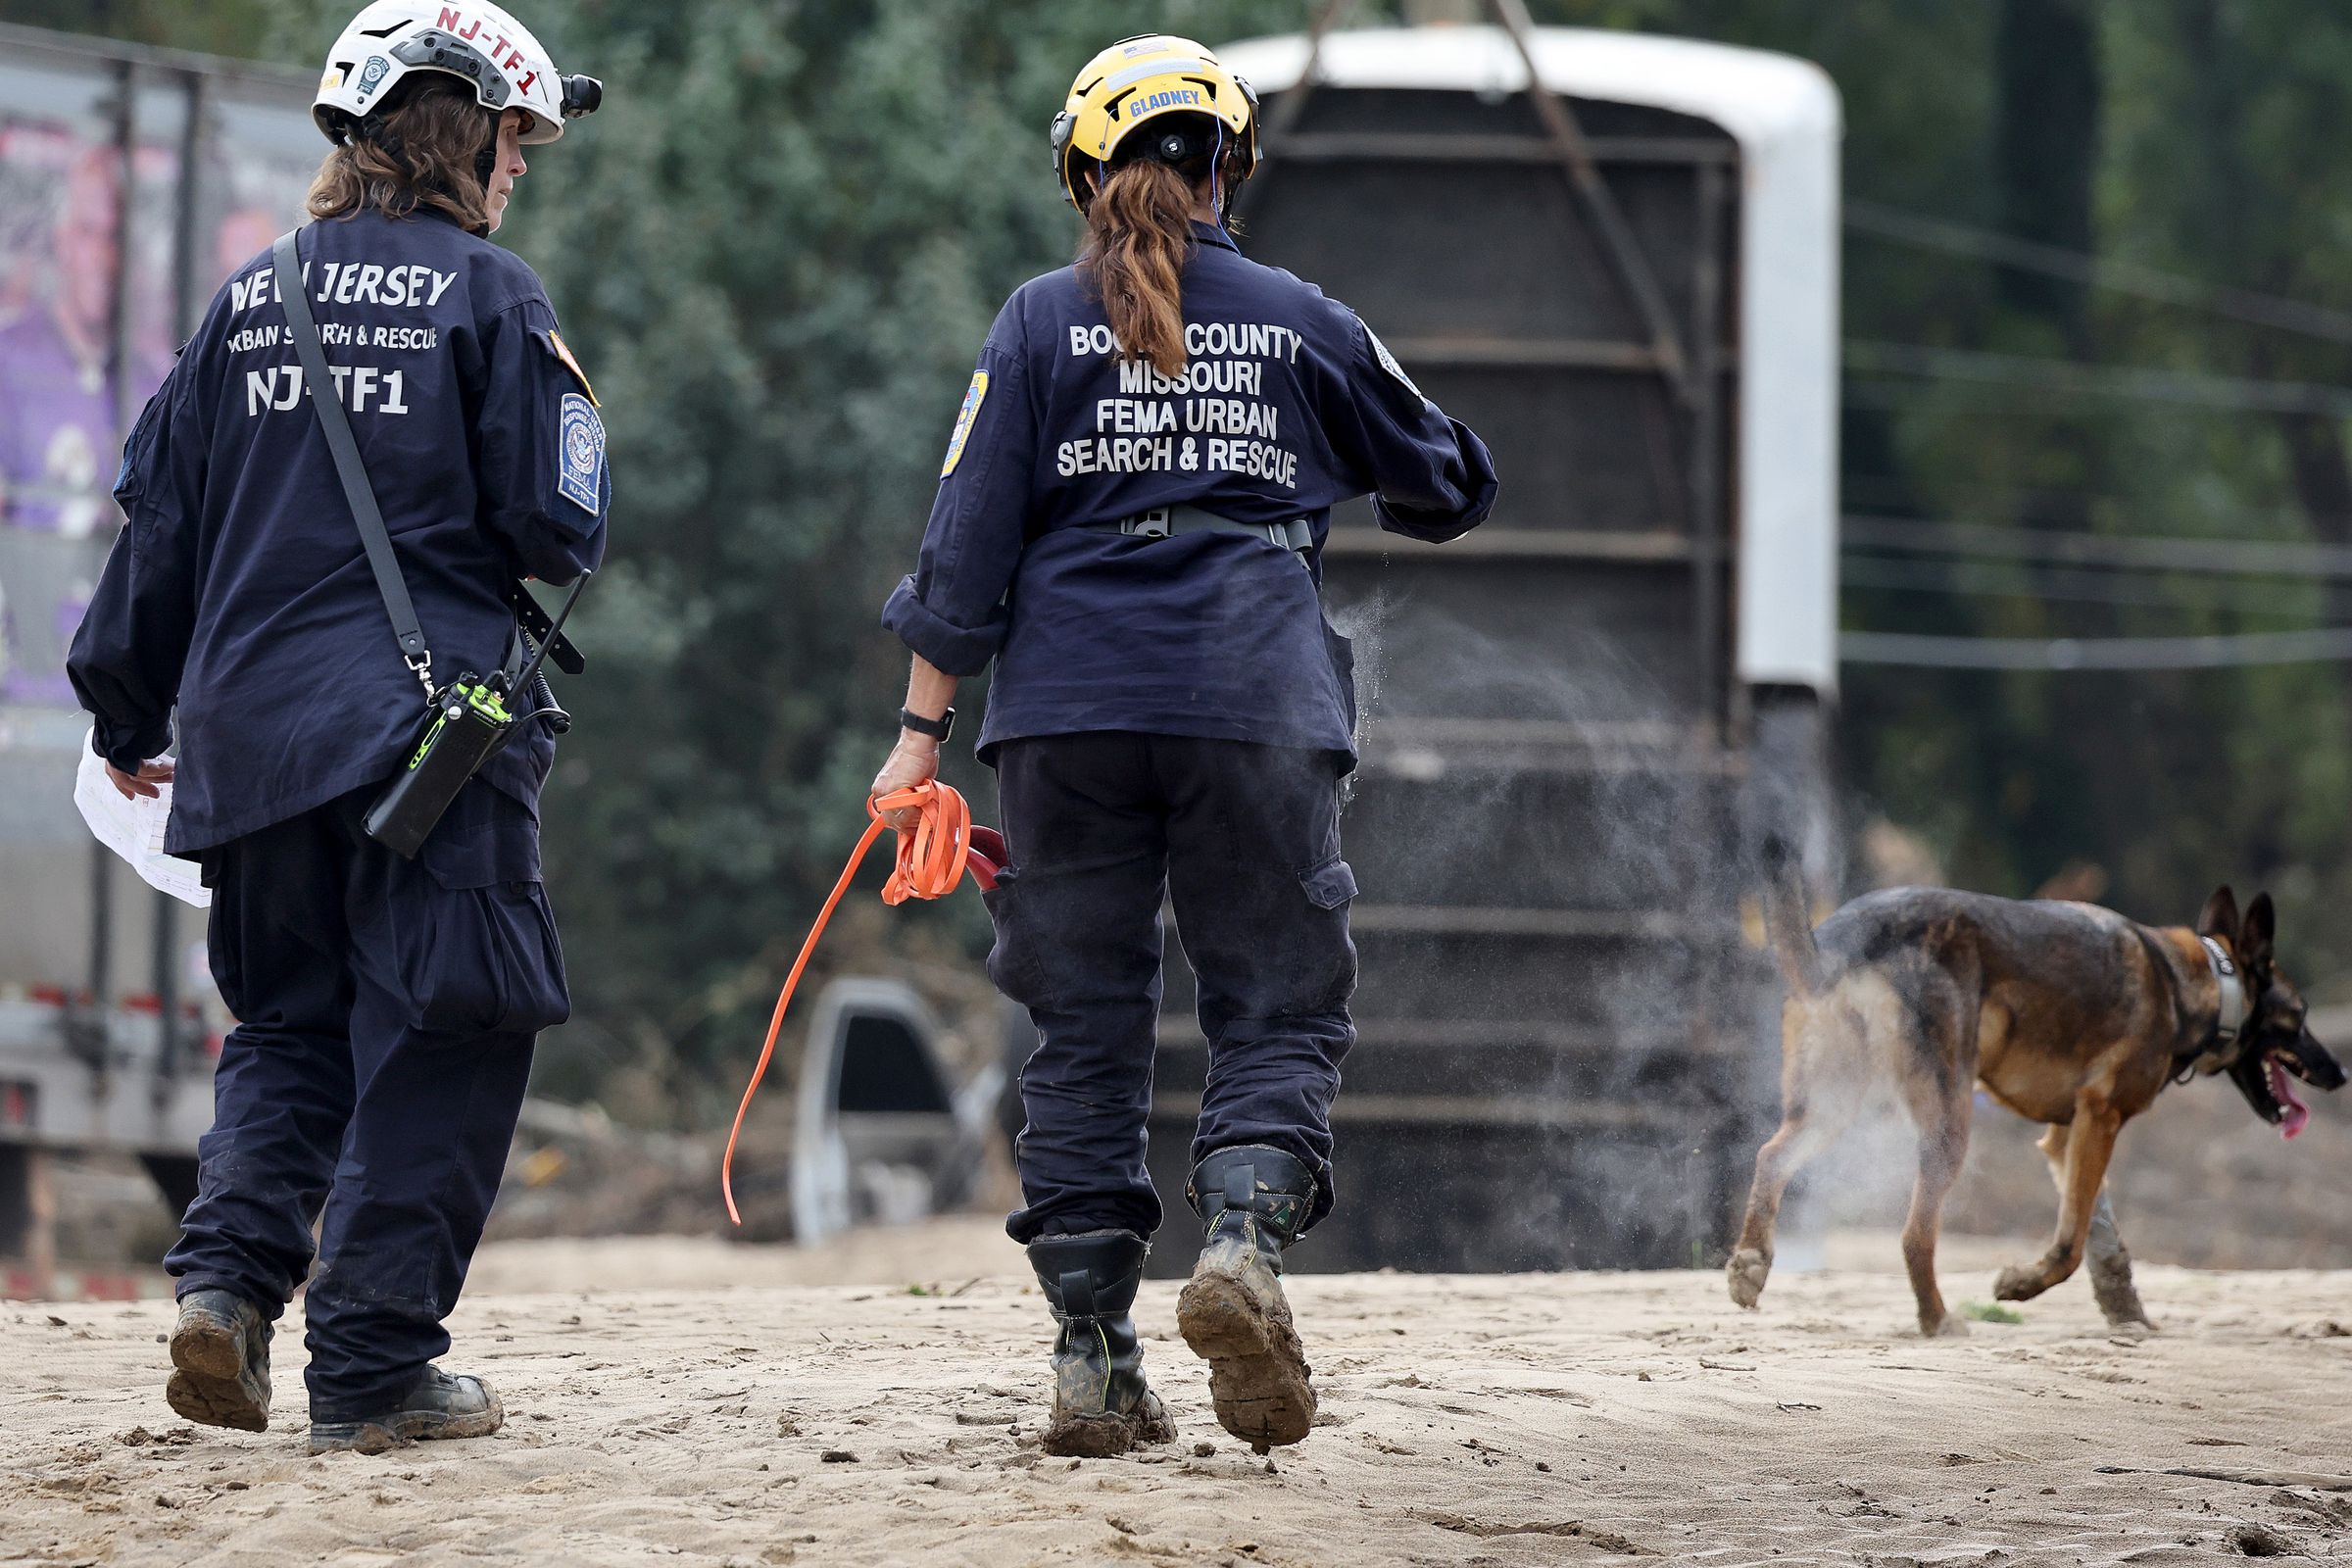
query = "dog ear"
x=2261 y=927
x=2219 y=919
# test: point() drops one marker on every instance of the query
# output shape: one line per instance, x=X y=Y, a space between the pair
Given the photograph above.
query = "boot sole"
x=1258 y=1371
x=408 y=1426
x=1107 y=1437
x=211 y=1384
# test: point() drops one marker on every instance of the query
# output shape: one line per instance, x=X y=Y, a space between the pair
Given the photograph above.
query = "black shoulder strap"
x=286 y=261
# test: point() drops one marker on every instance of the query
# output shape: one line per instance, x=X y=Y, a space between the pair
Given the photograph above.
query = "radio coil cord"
x=933 y=857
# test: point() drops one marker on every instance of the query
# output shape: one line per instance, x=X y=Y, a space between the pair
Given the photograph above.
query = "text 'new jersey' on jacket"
x=239 y=590
x=1287 y=404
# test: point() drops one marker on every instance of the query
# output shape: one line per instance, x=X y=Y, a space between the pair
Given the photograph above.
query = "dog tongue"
x=2296 y=1113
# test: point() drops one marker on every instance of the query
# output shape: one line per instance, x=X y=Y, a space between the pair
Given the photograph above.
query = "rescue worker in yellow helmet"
x=1130 y=521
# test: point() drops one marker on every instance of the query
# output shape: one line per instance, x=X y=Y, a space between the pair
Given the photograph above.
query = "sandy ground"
x=679 y=1401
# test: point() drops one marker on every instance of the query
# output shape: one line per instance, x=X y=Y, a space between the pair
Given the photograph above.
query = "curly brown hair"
x=422 y=148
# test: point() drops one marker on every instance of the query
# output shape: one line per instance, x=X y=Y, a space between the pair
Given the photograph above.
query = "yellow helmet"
x=1142 y=78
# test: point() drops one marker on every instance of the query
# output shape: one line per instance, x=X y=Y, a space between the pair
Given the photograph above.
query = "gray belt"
x=1163 y=521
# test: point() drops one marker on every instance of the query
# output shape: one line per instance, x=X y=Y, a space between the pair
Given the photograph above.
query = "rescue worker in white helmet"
x=387 y=1006
x=1130 y=522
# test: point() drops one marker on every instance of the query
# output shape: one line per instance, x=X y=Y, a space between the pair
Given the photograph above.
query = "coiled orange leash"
x=933 y=857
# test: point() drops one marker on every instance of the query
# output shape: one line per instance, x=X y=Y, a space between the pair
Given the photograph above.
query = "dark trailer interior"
x=1576 y=715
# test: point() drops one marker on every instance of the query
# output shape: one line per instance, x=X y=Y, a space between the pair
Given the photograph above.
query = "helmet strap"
x=1216 y=156
x=485 y=162
x=376 y=128
x=1231 y=189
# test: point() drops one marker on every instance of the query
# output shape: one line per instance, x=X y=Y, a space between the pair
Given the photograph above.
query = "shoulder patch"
x=1388 y=361
x=581 y=455
x=562 y=353
x=974 y=395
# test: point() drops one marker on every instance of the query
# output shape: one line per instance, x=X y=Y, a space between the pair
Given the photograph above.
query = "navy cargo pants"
x=386 y=1010
x=1244 y=840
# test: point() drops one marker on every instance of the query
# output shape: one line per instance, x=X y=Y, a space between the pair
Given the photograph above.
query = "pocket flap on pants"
x=485 y=838
x=1328 y=885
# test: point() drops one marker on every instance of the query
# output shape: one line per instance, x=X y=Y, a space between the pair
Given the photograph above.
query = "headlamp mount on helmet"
x=435 y=50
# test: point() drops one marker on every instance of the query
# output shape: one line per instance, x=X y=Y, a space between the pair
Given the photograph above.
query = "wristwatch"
x=938 y=729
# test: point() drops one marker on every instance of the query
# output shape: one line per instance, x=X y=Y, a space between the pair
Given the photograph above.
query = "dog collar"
x=2232 y=1015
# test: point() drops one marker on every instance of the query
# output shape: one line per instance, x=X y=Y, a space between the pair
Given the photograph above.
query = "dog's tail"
x=1789 y=917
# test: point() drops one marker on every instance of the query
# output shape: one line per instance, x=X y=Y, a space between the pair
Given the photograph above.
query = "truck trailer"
x=1615 y=256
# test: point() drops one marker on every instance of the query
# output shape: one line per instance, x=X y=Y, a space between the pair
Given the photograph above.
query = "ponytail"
x=1138 y=232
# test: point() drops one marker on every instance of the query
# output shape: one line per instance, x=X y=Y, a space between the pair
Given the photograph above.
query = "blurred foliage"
x=779 y=243
x=2200 y=137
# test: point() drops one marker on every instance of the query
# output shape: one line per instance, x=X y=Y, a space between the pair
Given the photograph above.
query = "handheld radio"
x=469 y=723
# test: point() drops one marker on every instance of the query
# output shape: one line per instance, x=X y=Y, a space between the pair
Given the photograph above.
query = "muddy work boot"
x=436 y=1406
x=221 y=1361
x=1232 y=1312
x=1101 y=1408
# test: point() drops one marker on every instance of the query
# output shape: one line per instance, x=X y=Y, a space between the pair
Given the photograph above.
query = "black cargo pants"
x=1244 y=840
x=387 y=1010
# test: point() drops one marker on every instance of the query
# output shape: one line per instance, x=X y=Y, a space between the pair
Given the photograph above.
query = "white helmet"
x=471 y=40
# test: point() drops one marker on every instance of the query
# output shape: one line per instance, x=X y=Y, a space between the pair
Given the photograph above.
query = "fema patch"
x=372 y=74
x=973 y=397
x=581 y=455
x=1388 y=363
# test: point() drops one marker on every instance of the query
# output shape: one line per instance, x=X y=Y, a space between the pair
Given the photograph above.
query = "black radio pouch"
x=467 y=721
x=468 y=724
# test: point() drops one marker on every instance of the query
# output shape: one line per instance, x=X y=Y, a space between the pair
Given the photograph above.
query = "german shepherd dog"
x=2067 y=1013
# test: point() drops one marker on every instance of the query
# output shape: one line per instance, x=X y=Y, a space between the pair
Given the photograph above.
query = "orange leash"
x=933 y=857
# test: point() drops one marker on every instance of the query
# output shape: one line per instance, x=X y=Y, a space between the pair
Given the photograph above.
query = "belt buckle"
x=1156 y=523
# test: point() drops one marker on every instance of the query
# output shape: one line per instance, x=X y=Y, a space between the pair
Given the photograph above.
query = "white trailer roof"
x=1785 y=114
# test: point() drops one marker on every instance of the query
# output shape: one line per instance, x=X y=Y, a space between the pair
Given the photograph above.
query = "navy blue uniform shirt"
x=238 y=592
x=1287 y=404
